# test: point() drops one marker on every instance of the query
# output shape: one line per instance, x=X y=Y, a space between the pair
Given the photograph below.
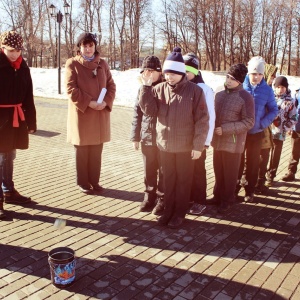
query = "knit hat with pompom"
x=174 y=63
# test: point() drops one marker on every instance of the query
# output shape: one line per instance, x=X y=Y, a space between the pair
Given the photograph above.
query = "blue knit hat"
x=174 y=63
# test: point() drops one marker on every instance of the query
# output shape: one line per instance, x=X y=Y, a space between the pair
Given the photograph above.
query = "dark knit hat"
x=238 y=72
x=151 y=62
x=12 y=40
x=86 y=38
x=281 y=80
x=174 y=63
x=191 y=63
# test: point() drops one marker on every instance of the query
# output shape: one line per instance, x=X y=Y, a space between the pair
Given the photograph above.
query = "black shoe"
x=86 y=189
x=223 y=208
x=2 y=212
x=290 y=176
x=175 y=222
x=14 y=197
x=97 y=187
x=261 y=189
x=162 y=220
x=249 y=198
x=212 y=201
x=159 y=207
x=148 y=203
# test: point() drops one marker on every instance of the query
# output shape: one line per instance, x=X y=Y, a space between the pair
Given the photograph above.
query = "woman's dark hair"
x=86 y=38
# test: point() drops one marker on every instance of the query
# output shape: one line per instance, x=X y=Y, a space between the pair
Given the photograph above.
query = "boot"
x=159 y=207
x=148 y=203
x=2 y=212
x=290 y=176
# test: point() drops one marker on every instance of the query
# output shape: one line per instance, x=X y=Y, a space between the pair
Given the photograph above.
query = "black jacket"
x=15 y=88
x=143 y=127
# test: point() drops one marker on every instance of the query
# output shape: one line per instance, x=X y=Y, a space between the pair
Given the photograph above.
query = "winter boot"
x=159 y=207
x=148 y=203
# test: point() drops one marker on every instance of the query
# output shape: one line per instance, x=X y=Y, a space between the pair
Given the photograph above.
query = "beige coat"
x=86 y=126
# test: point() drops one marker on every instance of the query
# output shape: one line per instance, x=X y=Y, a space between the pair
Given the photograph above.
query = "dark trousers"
x=226 y=168
x=263 y=164
x=88 y=164
x=250 y=160
x=178 y=176
x=198 y=193
x=295 y=156
x=275 y=158
x=153 y=176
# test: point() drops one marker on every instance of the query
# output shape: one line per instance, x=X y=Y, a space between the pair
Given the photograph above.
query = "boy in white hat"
x=17 y=113
x=182 y=127
x=265 y=112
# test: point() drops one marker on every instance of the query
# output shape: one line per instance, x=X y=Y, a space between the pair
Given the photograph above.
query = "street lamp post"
x=59 y=18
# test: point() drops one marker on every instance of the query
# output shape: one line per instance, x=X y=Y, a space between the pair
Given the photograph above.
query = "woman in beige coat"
x=86 y=75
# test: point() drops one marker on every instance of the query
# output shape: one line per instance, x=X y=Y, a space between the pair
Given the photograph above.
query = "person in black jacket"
x=17 y=113
x=144 y=131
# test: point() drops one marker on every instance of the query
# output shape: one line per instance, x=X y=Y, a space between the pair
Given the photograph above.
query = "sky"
x=45 y=84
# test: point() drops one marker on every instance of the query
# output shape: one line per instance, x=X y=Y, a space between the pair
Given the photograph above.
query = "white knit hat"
x=256 y=65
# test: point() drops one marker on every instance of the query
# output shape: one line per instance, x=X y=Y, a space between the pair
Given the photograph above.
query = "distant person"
x=88 y=125
x=17 y=113
x=295 y=141
x=198 y=193
x=283 y=123
x=234 y=117
x=267 y=142
x=182 y=127
x=265 y=112
x=143 y=130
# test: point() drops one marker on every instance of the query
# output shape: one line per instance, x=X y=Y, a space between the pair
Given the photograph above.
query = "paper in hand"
x=101 y=96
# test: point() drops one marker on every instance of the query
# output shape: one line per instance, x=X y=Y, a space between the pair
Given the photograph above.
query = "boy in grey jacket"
x=234 y=117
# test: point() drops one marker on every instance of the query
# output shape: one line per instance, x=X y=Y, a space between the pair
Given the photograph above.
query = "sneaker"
x=159 y=207
x=14 y=197
x=269 y=182
x=290 y=176
x=86 y=189
x=197 y=209
x=249 y=198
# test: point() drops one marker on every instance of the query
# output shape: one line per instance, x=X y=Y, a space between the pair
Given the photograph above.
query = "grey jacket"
x=182 y=116
x=235 y=115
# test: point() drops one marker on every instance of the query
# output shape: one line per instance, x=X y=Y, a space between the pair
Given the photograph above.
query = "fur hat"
x=256 y=65
x=151 y=62
x=191 y=63
x=85 y=38
x=12 y=40
x=281 y=80
x=174 y=63
x=270 y=70
x=238 y=72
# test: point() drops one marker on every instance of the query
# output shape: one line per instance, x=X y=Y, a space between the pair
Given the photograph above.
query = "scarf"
x=16 y=64
x=88 y=58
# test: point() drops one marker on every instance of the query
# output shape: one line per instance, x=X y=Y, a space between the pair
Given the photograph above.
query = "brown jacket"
x=181 y=114
x=86 y=126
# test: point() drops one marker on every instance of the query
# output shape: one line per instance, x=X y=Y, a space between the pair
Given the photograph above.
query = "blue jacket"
x=265 y=105
x=297 y=102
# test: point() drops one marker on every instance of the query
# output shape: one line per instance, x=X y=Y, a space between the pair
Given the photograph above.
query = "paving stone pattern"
x=252 y=252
